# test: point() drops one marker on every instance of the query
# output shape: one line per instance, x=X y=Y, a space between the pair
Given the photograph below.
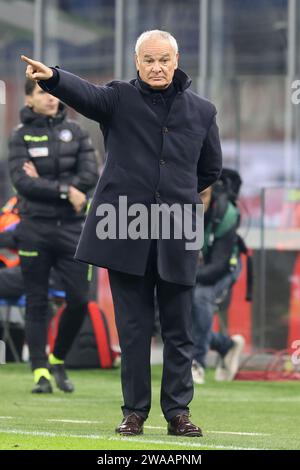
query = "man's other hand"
x=30 y=170
x=36 y=70
x=76 y=198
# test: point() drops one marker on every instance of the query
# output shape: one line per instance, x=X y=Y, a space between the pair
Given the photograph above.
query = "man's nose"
x=156 y=67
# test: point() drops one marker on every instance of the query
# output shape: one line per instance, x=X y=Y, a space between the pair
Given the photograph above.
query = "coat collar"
x=181 y=81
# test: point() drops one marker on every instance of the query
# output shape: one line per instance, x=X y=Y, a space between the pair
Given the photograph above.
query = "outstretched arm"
x=94 y=102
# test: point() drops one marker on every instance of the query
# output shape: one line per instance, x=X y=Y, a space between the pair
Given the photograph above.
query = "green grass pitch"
x=234 y=415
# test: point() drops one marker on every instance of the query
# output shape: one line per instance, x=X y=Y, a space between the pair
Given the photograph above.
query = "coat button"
x=157 y=194
x=165 y=130
x=162 y=162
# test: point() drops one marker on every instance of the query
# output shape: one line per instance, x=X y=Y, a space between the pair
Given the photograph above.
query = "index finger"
x=26 y=59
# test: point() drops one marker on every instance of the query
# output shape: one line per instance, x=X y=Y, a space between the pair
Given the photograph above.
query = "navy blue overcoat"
x=148 y=162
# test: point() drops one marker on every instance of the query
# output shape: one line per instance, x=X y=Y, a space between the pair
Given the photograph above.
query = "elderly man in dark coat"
x=163 y=148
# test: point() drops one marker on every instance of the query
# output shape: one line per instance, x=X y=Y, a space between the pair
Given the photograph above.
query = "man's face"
x=156 y=62
x=42 y=103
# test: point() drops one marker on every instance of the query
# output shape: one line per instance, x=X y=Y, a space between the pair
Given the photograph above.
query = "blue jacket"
x=147 y=162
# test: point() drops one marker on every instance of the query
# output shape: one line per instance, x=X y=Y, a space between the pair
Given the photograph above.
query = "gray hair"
x=156 y=33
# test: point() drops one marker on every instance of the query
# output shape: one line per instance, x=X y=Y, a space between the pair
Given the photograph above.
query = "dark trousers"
x=43 y=245
x=133 y=298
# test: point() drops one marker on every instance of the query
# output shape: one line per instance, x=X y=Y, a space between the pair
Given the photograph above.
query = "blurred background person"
x=52 y=166
x=218 y=269
x=11 y=280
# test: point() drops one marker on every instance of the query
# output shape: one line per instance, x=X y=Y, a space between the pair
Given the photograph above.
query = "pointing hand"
x=36 y=70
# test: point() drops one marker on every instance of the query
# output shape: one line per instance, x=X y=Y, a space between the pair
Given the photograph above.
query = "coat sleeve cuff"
x=51 y=83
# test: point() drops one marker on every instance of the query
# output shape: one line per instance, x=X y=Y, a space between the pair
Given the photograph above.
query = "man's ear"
x=177 y=59
x=136 y=59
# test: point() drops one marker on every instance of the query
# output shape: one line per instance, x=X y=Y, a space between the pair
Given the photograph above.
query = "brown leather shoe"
x=181 y=425
x=132 y=425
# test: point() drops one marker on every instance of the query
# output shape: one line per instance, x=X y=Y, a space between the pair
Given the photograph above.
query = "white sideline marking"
x=82 y=421
x=187 y=444
x=240 y=433
x=220 y=432
x=248 y=400
x=79 y=421
x=75 y=421
x=120 y=439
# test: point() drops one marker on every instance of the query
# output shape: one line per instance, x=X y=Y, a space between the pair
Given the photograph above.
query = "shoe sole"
x=40 y=392
x=187 y=434
x=65 y=391
x=129 y=433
